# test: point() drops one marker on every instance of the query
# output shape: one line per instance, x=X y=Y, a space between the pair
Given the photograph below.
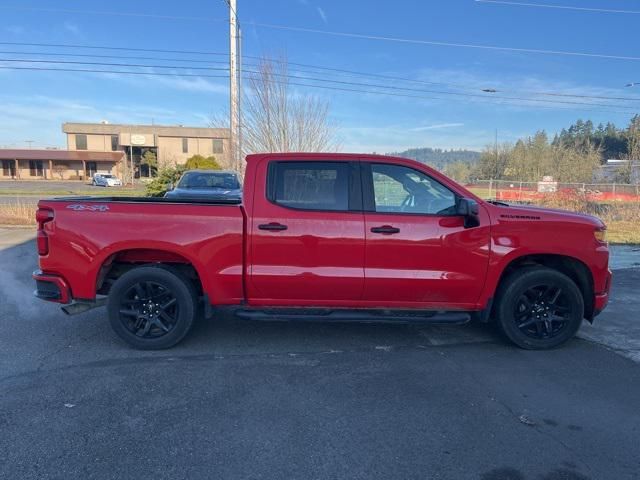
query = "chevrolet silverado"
x=343 y=237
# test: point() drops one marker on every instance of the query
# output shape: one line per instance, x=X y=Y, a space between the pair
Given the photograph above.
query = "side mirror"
x=468 y=209
x=170 y=186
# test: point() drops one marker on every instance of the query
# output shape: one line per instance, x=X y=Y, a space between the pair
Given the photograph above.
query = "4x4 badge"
x=90 y=208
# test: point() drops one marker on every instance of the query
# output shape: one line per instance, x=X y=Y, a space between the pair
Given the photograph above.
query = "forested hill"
x=439 y=158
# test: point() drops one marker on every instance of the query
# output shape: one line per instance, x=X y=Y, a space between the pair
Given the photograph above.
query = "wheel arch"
x=570 y=266
x=126 y=259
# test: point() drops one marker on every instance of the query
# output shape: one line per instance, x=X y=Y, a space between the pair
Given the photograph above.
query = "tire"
x=539 y=308
x=152 y=307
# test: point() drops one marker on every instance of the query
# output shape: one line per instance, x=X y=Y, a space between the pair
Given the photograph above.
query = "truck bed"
x=88 y=234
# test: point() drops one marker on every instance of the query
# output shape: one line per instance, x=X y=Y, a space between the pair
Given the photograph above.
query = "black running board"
x=352 y=315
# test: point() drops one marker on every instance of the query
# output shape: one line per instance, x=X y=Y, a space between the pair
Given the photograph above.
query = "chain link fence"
x=514 y=191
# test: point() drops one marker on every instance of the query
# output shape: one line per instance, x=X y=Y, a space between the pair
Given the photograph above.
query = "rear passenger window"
x=310 y=185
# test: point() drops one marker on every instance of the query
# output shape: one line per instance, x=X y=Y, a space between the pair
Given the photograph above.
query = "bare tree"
x=277 y=119
x=60 y=169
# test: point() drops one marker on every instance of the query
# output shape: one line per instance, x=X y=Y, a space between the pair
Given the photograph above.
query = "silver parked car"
x=106 y=180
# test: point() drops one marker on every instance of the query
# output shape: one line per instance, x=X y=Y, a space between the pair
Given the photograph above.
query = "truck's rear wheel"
x=539 y=308
x=152 y=307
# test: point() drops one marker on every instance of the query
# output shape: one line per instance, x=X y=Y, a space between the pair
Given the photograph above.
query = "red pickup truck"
x=325 y=237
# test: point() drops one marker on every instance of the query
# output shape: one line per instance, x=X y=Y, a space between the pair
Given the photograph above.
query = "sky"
x=441 y=104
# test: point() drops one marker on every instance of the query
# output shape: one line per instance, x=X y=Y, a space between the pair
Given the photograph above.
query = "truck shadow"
x=337 y=335
x=36 y=329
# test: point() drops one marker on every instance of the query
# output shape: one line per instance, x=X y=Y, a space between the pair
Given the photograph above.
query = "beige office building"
x=170 y=145
x=106 y=148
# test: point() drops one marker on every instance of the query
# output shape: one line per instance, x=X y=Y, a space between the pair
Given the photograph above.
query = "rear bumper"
x=51 y=288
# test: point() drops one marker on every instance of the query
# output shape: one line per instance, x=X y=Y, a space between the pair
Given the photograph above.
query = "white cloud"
x=437 y=126
x=71 y=28
x=40 y=117
x=323 y=15
x=192 y=84
x=517 y=92
x=397 y=137
x=15 y=29
x=189 y=84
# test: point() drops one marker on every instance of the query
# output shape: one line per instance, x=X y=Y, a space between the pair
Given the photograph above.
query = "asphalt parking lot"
x=241 y=399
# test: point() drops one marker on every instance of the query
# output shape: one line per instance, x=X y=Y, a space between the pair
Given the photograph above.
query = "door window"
x=310 y=185
x=399 y=189
x=91 y=168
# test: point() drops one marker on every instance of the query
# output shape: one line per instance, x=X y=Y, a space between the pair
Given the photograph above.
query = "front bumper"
x=51 y=288
x=600 y=300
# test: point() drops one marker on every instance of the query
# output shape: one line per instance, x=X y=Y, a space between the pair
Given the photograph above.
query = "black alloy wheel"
x=152 y=307
x=149 y=309
x=539 y=308
x=543 y=311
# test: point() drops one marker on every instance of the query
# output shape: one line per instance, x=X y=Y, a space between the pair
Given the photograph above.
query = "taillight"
x=43 y=215
x=600 y=234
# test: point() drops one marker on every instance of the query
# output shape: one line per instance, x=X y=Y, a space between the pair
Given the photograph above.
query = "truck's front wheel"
x=152 y=307
x=539 y=308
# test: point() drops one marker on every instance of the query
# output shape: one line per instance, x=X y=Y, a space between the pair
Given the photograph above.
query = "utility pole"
x=497 y=156
x=234 y=88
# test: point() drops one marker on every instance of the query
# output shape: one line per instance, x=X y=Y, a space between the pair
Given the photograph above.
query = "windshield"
x=227 y=181
x=106 y=176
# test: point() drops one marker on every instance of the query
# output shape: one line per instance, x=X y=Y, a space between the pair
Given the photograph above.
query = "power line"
x=365 y=36
x=89 y=70
x=106 y=64
x=561 y=7
x=95 y=55
x=112 y=13
x=304 y=65
x=445 y=44
x=307 y=78
x=610 y=109
x=101 y=47
x=456 y=85
x=440 y=92
x=442 y=98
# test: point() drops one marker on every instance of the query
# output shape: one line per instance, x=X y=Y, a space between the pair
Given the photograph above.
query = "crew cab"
x=321 y=236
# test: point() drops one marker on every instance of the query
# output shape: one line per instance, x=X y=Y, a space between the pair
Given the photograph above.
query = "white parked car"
x=106 y=180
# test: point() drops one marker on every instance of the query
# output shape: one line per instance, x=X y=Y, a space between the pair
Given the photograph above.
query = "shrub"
x=159 y=185
x=19 y=213
x=199 y=162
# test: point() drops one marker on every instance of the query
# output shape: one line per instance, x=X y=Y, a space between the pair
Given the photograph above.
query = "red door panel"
x=320 y=256
x=418 y=251
x=301 y=256
x=431 y=260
